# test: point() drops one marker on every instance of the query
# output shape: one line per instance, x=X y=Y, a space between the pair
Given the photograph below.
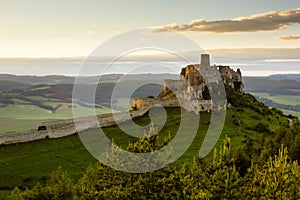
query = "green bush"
x=261 y=128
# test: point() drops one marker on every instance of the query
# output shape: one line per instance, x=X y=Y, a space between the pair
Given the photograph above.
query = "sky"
x=55 y=29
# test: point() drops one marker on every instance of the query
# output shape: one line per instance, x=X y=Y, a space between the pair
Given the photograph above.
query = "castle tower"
x=205 y=60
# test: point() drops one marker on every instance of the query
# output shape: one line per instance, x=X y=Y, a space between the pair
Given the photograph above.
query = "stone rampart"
x=189 y=105
x=144 y=102
x=62 y=128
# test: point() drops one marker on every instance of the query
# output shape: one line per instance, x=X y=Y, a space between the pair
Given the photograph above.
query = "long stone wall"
x=62 y=128
x=144 y=102
x=189 y=105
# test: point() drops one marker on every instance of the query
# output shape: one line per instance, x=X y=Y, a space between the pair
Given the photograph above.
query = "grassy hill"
x=60 y=79
x=8 y=85
x=24 y=164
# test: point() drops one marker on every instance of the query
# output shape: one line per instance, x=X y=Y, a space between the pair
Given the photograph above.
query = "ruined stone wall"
x=231 y=77
x=173 y=85
x=197 y=105
x=144 y=102
x=17 y=137
x=62 y=128
x=189 y=105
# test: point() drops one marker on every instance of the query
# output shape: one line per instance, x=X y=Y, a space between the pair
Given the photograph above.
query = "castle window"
x=42 y=128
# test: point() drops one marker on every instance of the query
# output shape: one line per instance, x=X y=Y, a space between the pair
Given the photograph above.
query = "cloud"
x=290 y=37
x=90 y=32
x=269 y=21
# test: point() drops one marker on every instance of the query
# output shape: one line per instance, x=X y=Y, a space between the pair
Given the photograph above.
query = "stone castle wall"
x=197 y=106
x=173 y=85
x=144 y=102
x=62 y=128
x=189 y=105
x=231 y=77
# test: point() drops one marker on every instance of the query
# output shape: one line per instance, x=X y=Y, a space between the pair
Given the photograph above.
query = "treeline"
x=271 y=174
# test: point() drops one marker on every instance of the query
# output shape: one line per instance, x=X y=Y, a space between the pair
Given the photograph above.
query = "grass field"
x=25 y=164
x=282 y=99
x=10 y=124
x=20 y=117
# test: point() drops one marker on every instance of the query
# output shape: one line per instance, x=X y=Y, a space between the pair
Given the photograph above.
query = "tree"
x=277 y=179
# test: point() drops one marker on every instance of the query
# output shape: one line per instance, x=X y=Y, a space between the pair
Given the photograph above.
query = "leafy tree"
x=279 y=178
x=60 y=186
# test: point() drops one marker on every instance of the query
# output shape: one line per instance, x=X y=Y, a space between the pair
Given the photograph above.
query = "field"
x=20 y=117
x=284 y=100
x=24 y=164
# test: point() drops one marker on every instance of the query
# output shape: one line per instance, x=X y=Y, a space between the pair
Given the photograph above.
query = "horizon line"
x=85 y=56
x=90 y=75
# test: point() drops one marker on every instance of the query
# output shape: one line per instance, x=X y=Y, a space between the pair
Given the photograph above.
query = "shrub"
x=262 y=128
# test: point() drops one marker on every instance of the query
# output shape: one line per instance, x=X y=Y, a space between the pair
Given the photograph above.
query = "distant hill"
x=55 y=79
x=274 y=85
x=279 y=84
x=8 y=85
x=35 y=80
x=294 y=77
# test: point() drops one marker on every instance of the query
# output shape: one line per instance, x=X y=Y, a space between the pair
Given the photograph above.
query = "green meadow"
x=20 y=117
x=25 y=164
x=287 y=100
x=282 y=99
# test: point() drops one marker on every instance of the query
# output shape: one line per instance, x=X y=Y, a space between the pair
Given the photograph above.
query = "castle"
x=191 y=91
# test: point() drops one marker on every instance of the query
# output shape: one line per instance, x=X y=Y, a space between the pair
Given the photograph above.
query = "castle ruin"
x=191 y=91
